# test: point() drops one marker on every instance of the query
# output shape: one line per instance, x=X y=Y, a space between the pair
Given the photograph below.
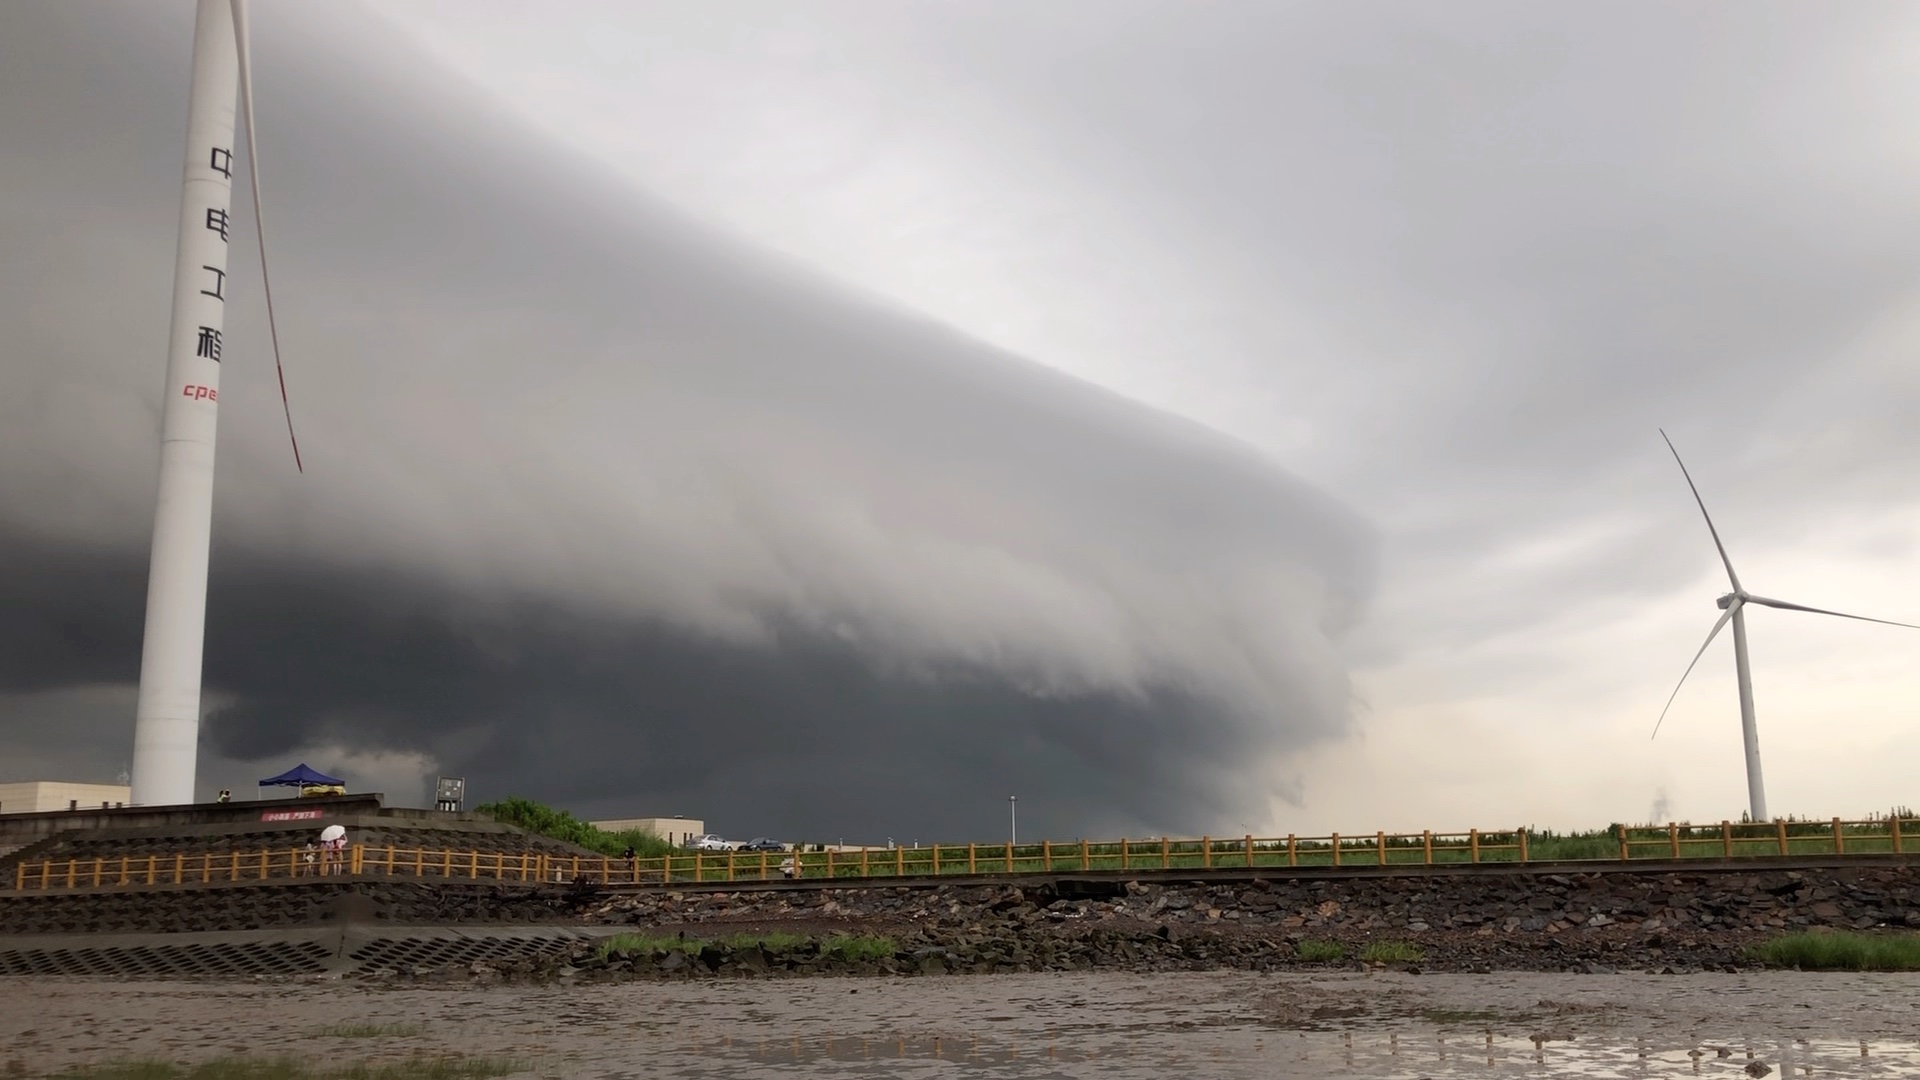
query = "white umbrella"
x=333 y=832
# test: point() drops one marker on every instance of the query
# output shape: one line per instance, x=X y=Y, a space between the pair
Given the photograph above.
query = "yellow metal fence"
x=1726 y=840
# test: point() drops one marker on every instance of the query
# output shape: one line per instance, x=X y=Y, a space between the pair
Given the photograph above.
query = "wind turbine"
x=1733 y=606
x=166 y=725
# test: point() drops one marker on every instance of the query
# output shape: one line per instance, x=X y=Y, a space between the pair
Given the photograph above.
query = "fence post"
x=936 y=860
x=389 y=860
x=1839 y=839
x=179 y=868
x=1336 y=849
x=1673 y=839
x=1009 y=856
x=1046 y=855
x=1520 y=837
x=359 y=857
x=1123 y=853
x=1206 y=852
x=1895 y=819
x=99 y=864
x=1166 y=853
x=1293 y=855
x=899 y=862
x=123 y=864
x=1780 y=828
x=1473 y=845
x=20 y=876
x=972 y=866
x=1380 y=839
x=1426 y=845
x=1249 y=842
x=1726 y=839
x=863 y=860
x=1624 y=851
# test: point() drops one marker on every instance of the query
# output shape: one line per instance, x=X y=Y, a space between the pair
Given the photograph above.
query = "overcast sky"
x=831 y=419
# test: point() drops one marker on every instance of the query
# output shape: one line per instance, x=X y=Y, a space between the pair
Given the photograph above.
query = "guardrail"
x=1727 y=840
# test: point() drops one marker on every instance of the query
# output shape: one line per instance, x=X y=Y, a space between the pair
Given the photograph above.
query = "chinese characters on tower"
x=208 y=345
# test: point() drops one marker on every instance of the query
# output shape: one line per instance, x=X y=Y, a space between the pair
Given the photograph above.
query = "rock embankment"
x=1552 y=922
x=1484 y=905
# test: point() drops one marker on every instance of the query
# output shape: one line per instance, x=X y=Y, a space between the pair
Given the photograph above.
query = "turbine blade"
x=1785 y=606
x=243 y=42
x=1711 y=634
x=1722 y=548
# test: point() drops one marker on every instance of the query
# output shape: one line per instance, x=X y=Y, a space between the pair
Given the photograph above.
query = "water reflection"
x=1234 y=1052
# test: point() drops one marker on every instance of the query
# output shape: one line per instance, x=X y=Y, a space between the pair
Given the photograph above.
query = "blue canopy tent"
x=303 y=777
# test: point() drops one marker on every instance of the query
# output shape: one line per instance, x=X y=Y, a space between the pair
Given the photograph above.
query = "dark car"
x=761 y=843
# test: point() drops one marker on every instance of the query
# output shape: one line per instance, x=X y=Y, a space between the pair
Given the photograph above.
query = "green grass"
x=839 y=946
x=419 y=1068
x=1841 y=952
x=1392 y=952
x=1321 y=952
x=562 y=825
x=366 y=1031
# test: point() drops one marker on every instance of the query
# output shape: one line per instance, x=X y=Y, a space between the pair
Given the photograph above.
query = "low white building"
x=674 y=830
x=40 y=796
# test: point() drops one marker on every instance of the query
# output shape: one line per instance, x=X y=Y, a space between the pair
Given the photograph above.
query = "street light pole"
x=1013 y=819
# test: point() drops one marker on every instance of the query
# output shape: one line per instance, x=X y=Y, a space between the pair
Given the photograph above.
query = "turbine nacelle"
x=1726 y=601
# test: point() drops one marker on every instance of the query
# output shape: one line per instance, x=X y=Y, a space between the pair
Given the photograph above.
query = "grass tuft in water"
x=840 y=946
x=1840 y=952
x=418 y=1068
x=367 y=1031
x=1321 y=952
x=1392 y=952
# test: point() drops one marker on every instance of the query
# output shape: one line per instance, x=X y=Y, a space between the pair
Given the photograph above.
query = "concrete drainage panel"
x=170 y=961
x=297 y=952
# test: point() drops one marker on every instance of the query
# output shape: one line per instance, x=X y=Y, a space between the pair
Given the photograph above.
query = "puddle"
x=1367 y=1027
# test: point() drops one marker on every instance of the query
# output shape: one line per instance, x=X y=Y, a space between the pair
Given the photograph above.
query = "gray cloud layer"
x=606 y=509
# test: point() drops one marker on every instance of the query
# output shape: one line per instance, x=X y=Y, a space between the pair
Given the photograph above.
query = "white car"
x=709 y=842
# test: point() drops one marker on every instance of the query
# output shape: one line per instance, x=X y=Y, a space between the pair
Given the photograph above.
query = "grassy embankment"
x=1376 y=952
x=1801 y=837
x=1840 y=951
x=839 y=946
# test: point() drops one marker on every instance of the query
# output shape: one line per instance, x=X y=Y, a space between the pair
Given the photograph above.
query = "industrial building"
x=674 y=830
x=40 y=796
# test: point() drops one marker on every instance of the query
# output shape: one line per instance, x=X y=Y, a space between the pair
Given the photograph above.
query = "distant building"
x=39 y=796
x=674 y=830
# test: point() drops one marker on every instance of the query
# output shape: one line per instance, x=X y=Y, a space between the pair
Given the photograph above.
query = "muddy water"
x=1365 y=1026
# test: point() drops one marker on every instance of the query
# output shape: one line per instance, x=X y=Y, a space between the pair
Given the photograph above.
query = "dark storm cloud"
x=605 y=509
x=598 y=713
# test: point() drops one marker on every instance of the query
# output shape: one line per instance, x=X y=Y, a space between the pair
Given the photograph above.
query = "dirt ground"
x=1375 y=1026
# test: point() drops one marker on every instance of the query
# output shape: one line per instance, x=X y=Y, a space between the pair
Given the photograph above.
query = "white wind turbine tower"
x=1733 y=607
x=167 y=718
